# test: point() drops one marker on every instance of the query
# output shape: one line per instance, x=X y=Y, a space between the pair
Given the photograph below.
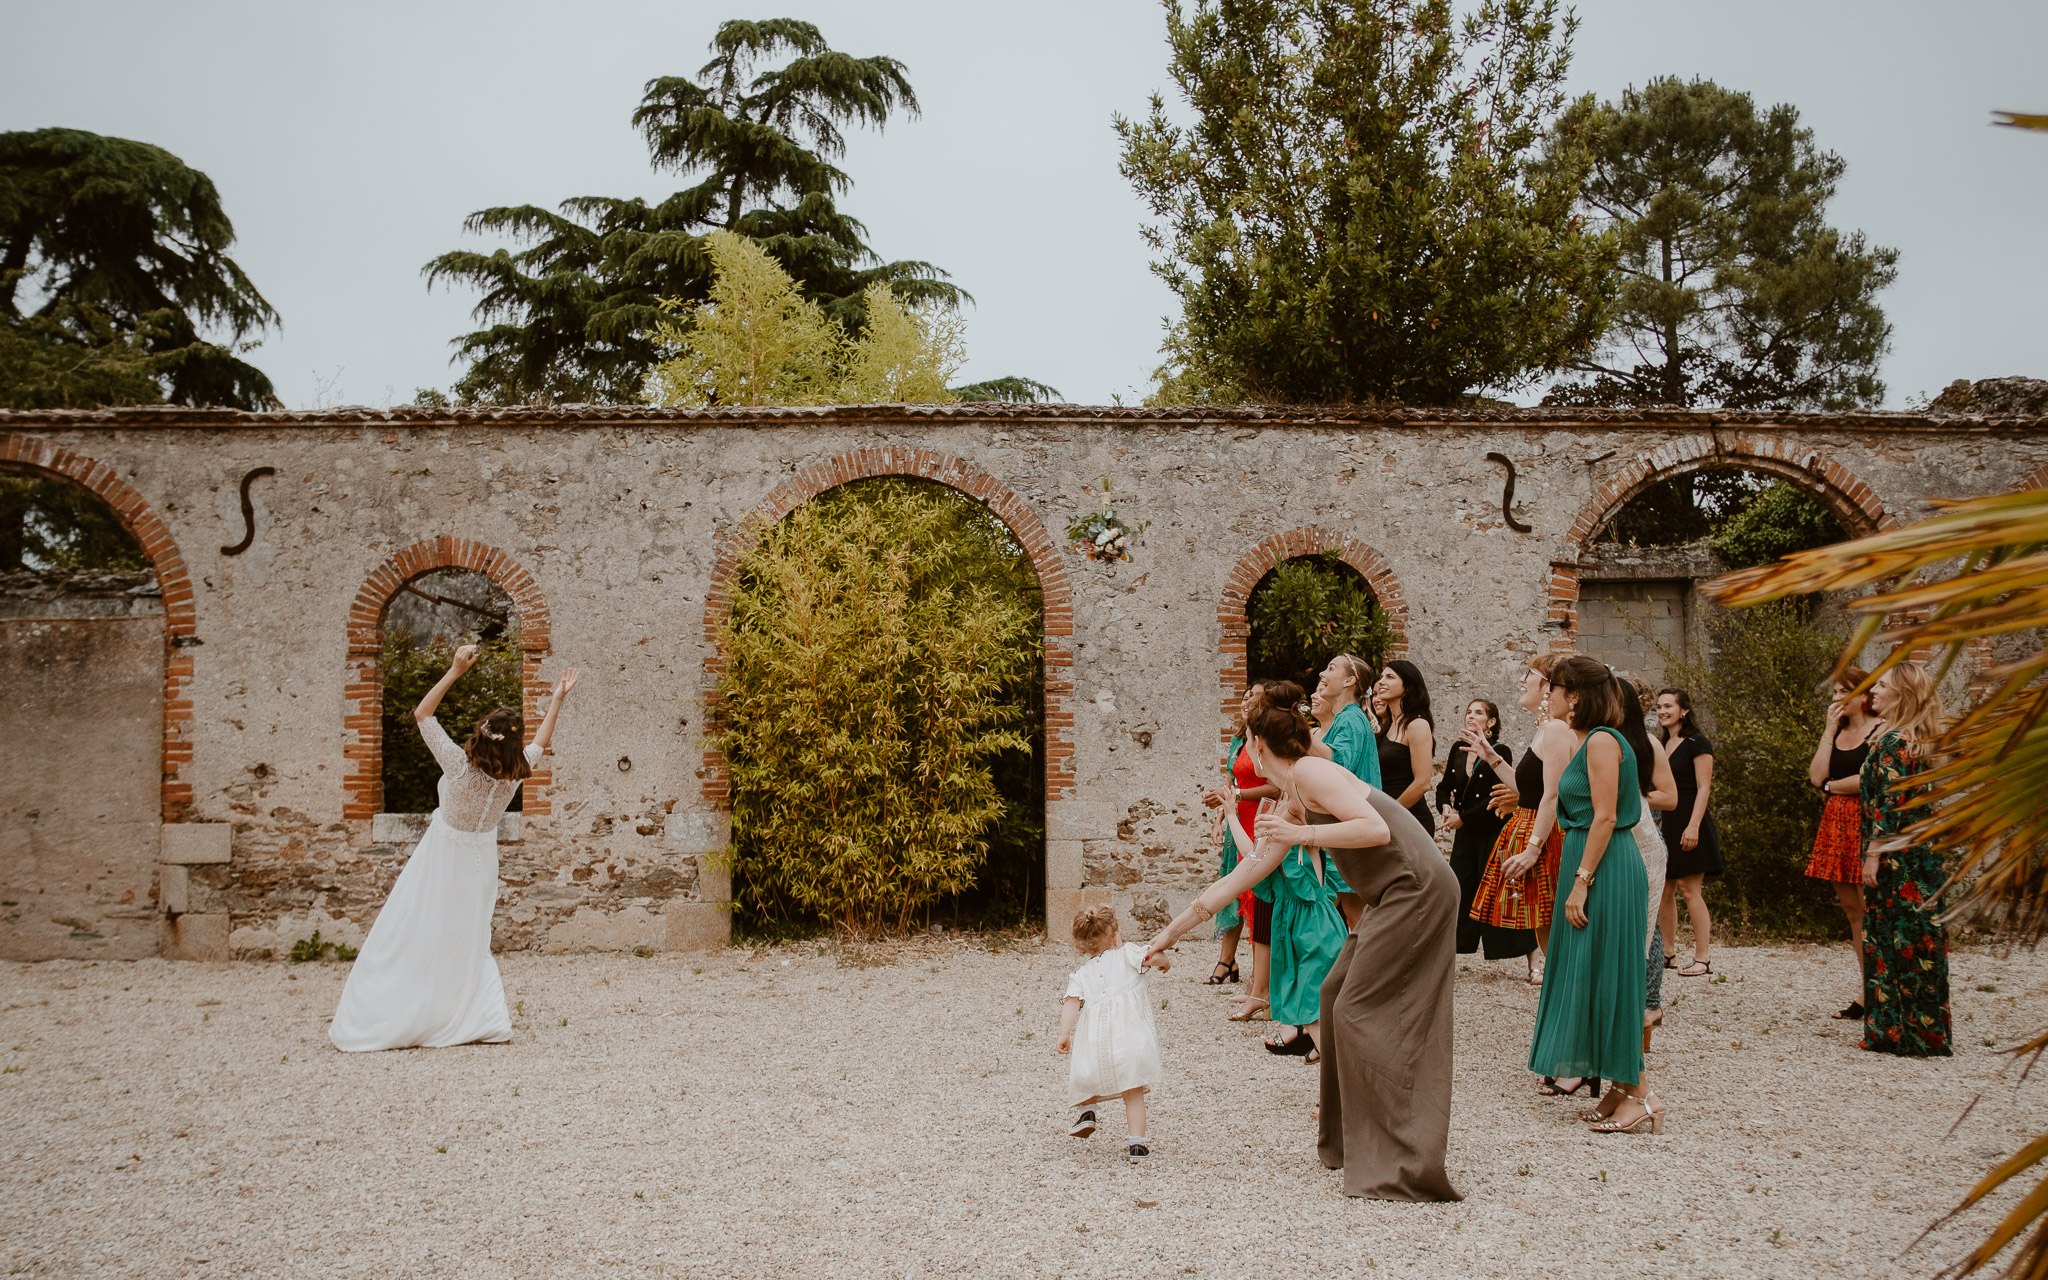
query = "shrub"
x=881 y=666
x=314 y=948
x=1764 y=692
x=410 y=771
x=1307 y=611
x=1779 y=521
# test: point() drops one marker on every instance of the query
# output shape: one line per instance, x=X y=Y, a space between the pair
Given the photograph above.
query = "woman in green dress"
x=1589 y=1020
x=1905 y=946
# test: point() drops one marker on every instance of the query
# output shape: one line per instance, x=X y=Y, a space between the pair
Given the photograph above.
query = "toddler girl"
x=1106 y=1025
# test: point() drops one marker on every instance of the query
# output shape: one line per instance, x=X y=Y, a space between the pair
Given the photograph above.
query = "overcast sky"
x=349 y=140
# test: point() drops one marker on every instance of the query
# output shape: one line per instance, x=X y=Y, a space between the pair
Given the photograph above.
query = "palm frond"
x=1975 y=571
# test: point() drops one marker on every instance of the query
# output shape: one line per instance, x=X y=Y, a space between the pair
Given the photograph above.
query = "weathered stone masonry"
x=617 y=533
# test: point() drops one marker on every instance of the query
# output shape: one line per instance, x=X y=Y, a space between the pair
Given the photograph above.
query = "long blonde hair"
x=1361 y=675
x=1916 y=709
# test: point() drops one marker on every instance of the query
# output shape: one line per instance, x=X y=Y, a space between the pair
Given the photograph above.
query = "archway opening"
x=1308 y=609
x=882 y=716
x=424 y=622
x=82 y=657
x=1757 y=678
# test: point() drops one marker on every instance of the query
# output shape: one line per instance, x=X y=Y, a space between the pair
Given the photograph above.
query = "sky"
x=350 y=140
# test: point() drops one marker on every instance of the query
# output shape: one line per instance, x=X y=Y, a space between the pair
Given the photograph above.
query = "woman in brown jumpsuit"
x=1386 y=1006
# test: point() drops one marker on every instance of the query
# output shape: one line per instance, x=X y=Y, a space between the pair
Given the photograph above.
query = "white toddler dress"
x=1115 y=1045
x=425 y=976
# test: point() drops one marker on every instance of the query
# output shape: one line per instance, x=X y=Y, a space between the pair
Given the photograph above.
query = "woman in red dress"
x=1838 y=846
x=1255 y=906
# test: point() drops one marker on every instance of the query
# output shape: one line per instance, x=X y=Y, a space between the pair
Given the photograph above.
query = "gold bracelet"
x=1202 y=913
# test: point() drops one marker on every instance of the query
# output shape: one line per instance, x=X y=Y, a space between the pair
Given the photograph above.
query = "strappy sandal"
x=1254 y=1011
x=1224 y=974
x=1854 y=1013
x=1294 y=1046
x=1652 y=1112
x=1697 y=969
x=1549 y=1087
x=1670 y=959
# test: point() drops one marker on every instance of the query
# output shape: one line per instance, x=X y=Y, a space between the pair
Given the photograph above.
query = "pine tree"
x=574 y=316
x=113 y=265
x=1735 y=290
x=1362 y=208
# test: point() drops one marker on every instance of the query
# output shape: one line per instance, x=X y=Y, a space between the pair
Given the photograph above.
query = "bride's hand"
x=465 y=658
x=566 y=683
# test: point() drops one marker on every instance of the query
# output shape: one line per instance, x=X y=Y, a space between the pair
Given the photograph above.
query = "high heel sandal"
x=1652 y=1112
x=1549 y=1087
x=1224 y=974
x=1854 y=1013
x=1254 y=1011
x=1295 y=1046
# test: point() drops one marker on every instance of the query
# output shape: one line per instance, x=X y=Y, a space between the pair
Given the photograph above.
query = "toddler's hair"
x=1093 y=928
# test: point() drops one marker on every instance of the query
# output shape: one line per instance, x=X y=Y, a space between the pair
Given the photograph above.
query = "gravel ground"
x=808 y=1111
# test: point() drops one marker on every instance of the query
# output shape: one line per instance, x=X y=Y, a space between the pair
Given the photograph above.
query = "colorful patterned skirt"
x=1838 y=845
x=1525 y=904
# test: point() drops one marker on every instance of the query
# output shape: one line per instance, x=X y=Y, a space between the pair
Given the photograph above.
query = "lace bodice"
x=471 y=800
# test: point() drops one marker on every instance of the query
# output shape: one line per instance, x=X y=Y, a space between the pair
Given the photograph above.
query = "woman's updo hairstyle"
x=1592 y=683
x=1277 y=720
x=498 y=747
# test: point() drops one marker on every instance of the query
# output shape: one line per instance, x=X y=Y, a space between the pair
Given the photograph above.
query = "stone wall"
x=616 y=533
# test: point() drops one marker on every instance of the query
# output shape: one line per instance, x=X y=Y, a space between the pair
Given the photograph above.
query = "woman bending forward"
x=425 y=976
x=1386 y=1006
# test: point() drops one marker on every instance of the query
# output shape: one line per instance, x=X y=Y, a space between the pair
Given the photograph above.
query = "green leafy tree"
x=1748 y=516
x=758 y=340
x=1363 y=207
x=50 y=524
x=1306 y=612
x=410 y=770
x=881 y=659
x=574 y=315
x=1735 y=290
x=113 y=266
x=1765 y=690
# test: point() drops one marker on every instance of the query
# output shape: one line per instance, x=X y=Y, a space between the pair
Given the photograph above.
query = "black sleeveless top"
x=1529 y=779
x=1845 y=764
x=1397 y=774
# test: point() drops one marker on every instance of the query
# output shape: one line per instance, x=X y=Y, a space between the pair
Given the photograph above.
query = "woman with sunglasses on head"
x=1837 y=769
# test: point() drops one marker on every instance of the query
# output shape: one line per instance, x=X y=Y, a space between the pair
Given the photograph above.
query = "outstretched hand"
x=566 y=683
x=1161 y=941
x=465 y=658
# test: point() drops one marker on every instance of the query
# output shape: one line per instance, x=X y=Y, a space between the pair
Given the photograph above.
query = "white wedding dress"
x=425 y=975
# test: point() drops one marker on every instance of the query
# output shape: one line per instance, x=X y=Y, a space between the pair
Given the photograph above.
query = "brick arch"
x=1231 y=611
x=181 y=620
x=2038 y=480
x=363 y=718
x=1853 y=502
x=1055 y=594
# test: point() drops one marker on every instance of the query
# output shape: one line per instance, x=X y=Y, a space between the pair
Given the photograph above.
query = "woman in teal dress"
x=1589 y=1020
x=1905 y=946
x=1313 y=908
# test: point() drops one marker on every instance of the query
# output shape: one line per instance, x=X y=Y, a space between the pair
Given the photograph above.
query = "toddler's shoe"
x=1139 y=1151
x=1084 y=1124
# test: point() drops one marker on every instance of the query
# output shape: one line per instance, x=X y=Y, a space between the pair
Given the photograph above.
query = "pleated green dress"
x=1308 y=932
x=1589 y=1019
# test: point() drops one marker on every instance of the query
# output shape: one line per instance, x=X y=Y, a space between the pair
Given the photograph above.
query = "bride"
x=425 y=975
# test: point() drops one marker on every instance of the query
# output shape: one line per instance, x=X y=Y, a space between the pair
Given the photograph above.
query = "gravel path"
x=794 y=1113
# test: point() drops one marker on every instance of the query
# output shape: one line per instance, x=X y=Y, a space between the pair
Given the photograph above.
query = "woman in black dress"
x=1408 y=747
x=1465 y=799
x=1689 y=833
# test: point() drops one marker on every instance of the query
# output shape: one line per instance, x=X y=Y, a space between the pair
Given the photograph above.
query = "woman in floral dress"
x=1905 y=947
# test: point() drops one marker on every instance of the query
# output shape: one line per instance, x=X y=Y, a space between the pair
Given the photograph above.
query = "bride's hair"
x=498 y=746
x=1278 y=721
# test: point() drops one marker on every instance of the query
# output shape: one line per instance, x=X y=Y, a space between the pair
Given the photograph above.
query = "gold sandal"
x=1255 y=1010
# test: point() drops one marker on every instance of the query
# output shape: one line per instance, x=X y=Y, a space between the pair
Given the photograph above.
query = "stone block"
x=1063 y=864
x=1062 y=905
x=1080 y=820
x=697 y=926
x=196 y=936
x=195 y=843
x=714 y=880
x=174 y=889
x=407 y=828
x=699 y=832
